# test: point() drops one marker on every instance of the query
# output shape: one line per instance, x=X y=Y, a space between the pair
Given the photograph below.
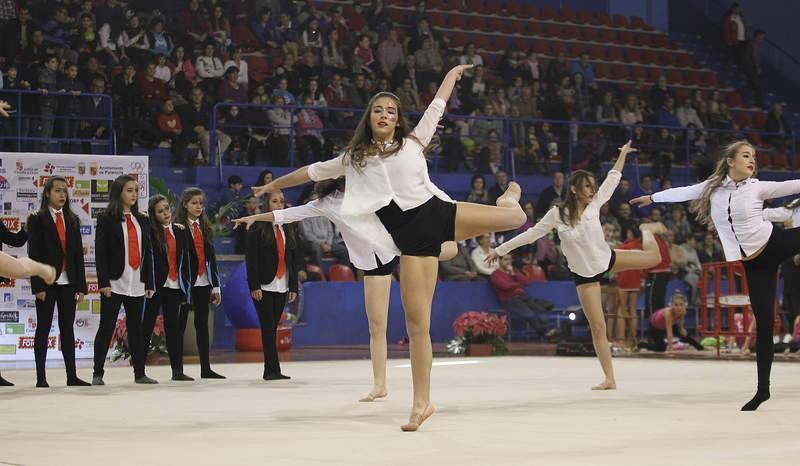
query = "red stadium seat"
x=552 y=29
x=692 y=77
x=762 y=157
x=341 y=273
x=650 y=57
x=734 y=100
x=662 y=41
x=495 y=24
x=597 y=52
x=642 y=39
x=521 y=44
x=619 y=21
x=475 y=23
x=437 y=19
x=607 y=36
x=666 y=58
x=614 y=53
x=632 y=55
x=457 y=21
x=584 y=17
x=567 y=14
x=575 y=50
x=589 y=34
x=759 y=120
x=640 y=72
x=569 y=32
x=530 y=10
x=620 y=72
x=541 y=47
x=547 y=13
x=257 y=67
x=311 y=268
x=780 y=161
x=637 y=22
x=535 y=28
x=481 y=41
x=601 y=70
x=514 y=9
x=709 y=79
x=458 y=39
x=602 y=19
x=534 y=273
x=500 y=43
x=624 y=37
x=681 y=94
x=744 y=120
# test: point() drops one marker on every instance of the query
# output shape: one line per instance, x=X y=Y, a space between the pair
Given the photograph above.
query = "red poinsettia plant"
x=119 y=341
x=472 y=328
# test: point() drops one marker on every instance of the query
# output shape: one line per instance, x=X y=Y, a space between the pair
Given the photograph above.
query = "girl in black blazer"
x=171 y=245
x=124 y=273
x=272 y=259
x=203 y=274
x=54 y=238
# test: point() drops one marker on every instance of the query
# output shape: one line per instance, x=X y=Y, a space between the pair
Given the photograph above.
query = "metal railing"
x=570 y=144
x=30 y=125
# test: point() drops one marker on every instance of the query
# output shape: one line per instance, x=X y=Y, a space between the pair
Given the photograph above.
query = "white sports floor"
x=514 y=410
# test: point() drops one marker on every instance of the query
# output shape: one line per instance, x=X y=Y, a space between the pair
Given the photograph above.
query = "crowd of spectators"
x=166 y=64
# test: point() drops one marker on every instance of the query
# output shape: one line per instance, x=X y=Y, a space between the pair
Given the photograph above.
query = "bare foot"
x=416 y=419
x=606 y=385
x=373 y=395
x=657 y=228
x=510 y=198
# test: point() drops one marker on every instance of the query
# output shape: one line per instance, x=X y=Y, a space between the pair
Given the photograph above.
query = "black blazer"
x=262 y=259
x=109 y=248
x=211 y=260
x=45 y=246
x=12 y=239
x=183 y=244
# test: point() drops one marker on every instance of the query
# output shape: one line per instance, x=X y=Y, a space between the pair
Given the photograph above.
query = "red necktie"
x=62 y=236
x=172 y=254
x=279 y=244
x=134 y=258
x=200 y=247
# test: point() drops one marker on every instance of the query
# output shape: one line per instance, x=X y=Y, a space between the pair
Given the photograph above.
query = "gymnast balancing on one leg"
x=588 y=255
x=732 y=200
x=370 y=249
x=387 y=174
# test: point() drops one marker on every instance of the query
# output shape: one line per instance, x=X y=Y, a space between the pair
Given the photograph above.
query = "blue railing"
x=577 y=143
x=31 y=125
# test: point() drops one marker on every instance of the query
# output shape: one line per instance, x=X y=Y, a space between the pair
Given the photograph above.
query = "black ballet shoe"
x=5 y=383
x=760 y=397
x=182 y=378
x=42 y=384
x=209 y=374
x=276 y=376
x=76 y=382
x=98 y=380
x=145 y=380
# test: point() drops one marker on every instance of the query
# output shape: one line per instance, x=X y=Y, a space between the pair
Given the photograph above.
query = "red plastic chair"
x=311 y=268
x=534 y=273
x=341 y=273
x=780 y=161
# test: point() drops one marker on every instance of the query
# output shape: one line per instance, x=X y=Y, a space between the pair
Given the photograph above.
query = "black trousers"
x=64 y=296
x=201 y=299
x=656 y=291
x=761 y=275
x=269 y=311
x=523 y=307
x=168 y=302
x=660 y=345
x=109 y=310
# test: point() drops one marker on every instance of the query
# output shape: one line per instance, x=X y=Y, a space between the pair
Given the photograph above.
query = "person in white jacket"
x=371 y=250
x=387 y=175
x=590 y=259
x=731 y=201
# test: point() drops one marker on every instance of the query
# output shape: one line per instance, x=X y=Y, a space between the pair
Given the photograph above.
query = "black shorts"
x=382 y=269
x=601 y=278
x=422 y=230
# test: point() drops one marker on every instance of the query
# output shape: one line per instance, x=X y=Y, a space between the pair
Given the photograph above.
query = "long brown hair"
x=182 y=216
x=70 y=218
x=701 y=206
x=360 y=146
x=114 y=207
x=267 y=232
x=568 y=208
x=156 y=229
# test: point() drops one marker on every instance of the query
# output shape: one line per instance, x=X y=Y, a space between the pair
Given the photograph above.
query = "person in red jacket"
x=509 y=286
x=153 y=92
x=171 y=127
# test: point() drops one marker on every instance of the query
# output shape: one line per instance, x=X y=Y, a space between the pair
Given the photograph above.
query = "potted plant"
x=479 y=334
x=119 y=341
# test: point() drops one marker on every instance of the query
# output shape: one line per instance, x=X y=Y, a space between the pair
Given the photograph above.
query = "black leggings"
x=658 y=336
x=64 y=296
x=269 y=311
x=761 y=275
x=167 y=300
x=201 y=299
x=109 y=310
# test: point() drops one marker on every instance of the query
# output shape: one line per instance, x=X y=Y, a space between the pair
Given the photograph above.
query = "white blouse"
x=583 y=244
x=402 y=177
x=364 y=236
x=737 y=211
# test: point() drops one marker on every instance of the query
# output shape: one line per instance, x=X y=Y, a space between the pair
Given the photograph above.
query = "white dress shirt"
x=130 y=283
x=364 y=236
x=583 y=244
x=63 y=279
x=279 y=285
x=737 y=211
x=782 y=214
x=172 y=284
x=479 y=257
x=402 y=177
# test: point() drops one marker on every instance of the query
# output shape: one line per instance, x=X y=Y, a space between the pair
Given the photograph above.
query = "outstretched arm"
x=449 y=81
x=609 y=185
x=773 y=189
x=682 y=194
